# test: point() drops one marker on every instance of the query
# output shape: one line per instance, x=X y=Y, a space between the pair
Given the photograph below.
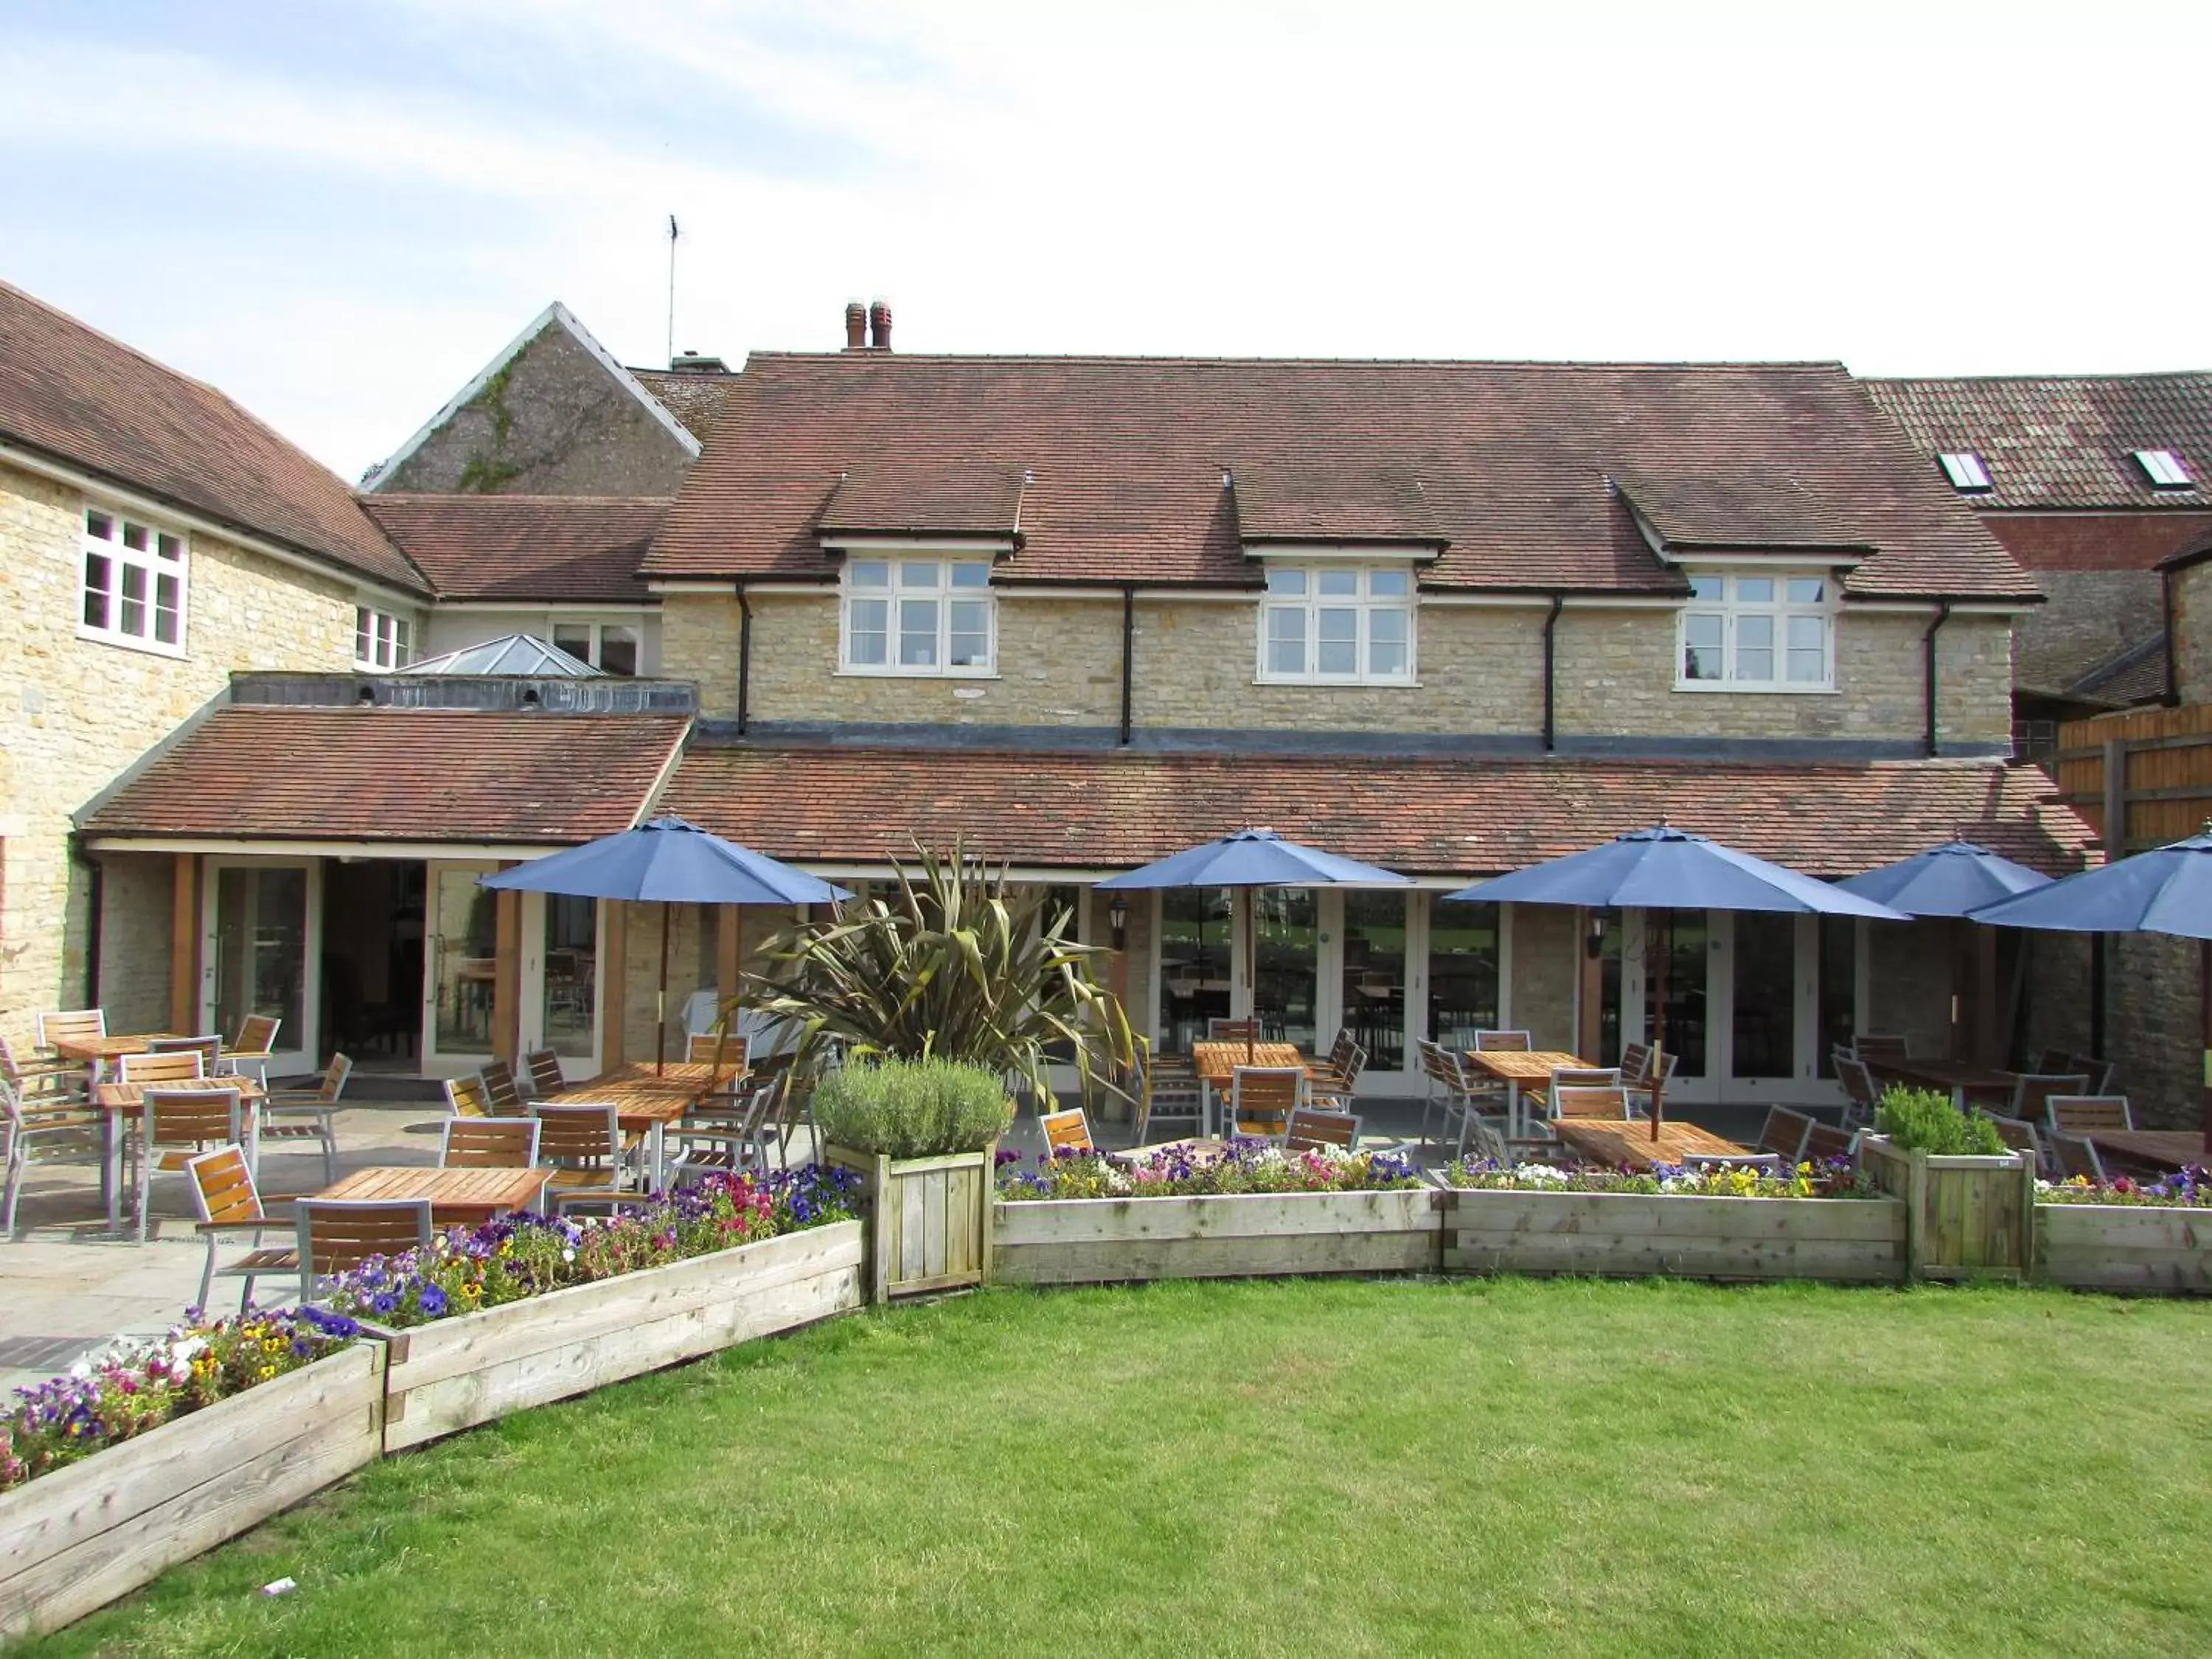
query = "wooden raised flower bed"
x=1640 y=1235
x=1081 y=1241
x=1967 y=1217
x=454 y=1373
x=2124 y=1247
x=928 y=1220
x=82 y=1535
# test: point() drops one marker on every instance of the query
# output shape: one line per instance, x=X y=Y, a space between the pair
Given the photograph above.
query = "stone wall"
x=1546 y=964
x=2192 y=632
x=1909 y=983
x=136 y=934
x=1480 y=673
x=76 y=713
x=553 y=422
x=2091 y=617
x=2154 y=1027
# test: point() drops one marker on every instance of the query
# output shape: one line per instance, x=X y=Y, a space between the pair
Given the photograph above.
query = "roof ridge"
x=2043 y=378
x=374 y=499
x=1439 y=363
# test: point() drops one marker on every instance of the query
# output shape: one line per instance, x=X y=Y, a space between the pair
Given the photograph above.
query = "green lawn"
x=1298 y=1468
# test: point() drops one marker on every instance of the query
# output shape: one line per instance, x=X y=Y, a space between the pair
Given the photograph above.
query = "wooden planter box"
x=1098 y=1240
x=80 y=1537
x=1965 y=1216
x=1639 y=1234
x=2124 y=1247
x=928 y=1218
x=454 y=1373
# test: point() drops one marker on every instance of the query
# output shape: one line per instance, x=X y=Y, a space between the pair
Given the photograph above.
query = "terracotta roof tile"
x=693 y=397
x=2062 y=440
x=524 y=547
x=903 y=495
x=1420 y=817
x=1333 y=504
x=396 y=775
x=1127 y=455
x=74 y=394
x=1744 y=512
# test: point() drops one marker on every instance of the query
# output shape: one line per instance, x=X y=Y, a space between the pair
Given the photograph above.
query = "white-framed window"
x=610 y=648
x=1758 y=633
x=133 y=590
x=918 y=617
x=1330 y=625
x=380 y=640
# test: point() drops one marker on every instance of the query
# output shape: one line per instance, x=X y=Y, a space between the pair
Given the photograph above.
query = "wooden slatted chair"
x=1597 y=1102
x=1784 y=1134
x=1504 y=1042
x=184 y=1065
x=2075 y=1115
x=44 y=1129
x=1823 y=1142
x=1580 y=1076
x=1640 y=1084
x=2018 y=1134
x=1634 y=1059
x=334 y=1234
x=488 y=1142
x=1262 y=1098
x=2032 y=1093
x=228 y=1202
x=541 y=1071
x=1067 y=1131
x=1162 y=1091
x=41 y=1081
x=1311 y=1130
x=465 y=1098
x=730 y=1133
x=1862 y=1094
x=2055 y=1060
x=310 y=1114
x=583 y=1142
x=1334 y=1087
x=67 y=1025
x=503 y=1089
x=708 y=1047
x=1462 y=1102
x=1219 y=1029
x=2075 y=1155
x=255 y=1048
x=175 y=1126
x=208 y=1047
x=2101 y=1074
x=1876 y=1049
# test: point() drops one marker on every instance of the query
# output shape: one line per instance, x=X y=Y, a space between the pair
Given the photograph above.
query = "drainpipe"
x=95 y=897
x=1928 y=667
x=1551 y=660
x=1128 y=653
x=745 y=656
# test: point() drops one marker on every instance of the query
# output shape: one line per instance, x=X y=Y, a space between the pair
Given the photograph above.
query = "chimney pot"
x=879 y=325
x=856 y=327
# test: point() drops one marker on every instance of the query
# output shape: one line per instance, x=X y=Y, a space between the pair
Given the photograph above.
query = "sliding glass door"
x=261 y=921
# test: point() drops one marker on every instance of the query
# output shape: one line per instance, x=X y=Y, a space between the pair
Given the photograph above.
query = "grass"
x=1298 y=1468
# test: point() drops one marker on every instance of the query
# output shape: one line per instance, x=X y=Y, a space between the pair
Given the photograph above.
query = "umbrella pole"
x=1659 y=1022
x=2205 y=1020
x=1251 y=972
x=660 y=1001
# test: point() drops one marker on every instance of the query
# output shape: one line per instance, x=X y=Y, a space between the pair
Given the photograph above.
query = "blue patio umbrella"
x=1667 y=869
x=2167 y=890
x=672 y=861
x=1250 y=859
x=1950 y=880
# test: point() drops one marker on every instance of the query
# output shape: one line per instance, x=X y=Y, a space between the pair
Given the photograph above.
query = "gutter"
x=1551 y=664
x=745 y=656
x=1128 y=655
x=1928 y=670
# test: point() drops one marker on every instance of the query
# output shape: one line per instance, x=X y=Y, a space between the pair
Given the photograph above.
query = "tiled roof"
x=2100 y=541
x=693 y=397
x=2136 y=675
x=1125 y=457
x=2062 y=440
x=1332 y=504
x=524 y=548
x=74 y=394
x=905 y=495
x=1421 y=816
x=310 y=773
x=1741 y=512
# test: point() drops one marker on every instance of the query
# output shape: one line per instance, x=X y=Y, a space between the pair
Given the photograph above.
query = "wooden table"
x=1216 y=1064
x=1628 y=1144
x=650 y=1100
x=2156 y=1149
x=1519 y=1067
x=118 y=1100
x=1969 y=1084
x=95 y=1051
x=458 y=1197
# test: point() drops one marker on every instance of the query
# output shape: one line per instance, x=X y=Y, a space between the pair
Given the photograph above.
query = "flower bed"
x=2126 y=1235
x=1242 y=1166
x=530 y=1308
x=158 y=1453
x=2191 y=1189
x=1817 y=1221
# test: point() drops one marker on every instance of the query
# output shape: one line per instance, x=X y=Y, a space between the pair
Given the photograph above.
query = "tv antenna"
x=672 y=234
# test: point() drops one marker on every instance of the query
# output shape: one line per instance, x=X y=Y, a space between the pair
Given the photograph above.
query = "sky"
x=339 y=213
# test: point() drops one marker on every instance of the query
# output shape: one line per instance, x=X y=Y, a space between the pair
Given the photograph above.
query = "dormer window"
x=2165 y=469
x=1966 y=472
x=918 y=617
x=1328 y=624
x=1743 y=632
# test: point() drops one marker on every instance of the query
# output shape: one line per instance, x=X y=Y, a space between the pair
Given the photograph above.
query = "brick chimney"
x=856 y=327
x=880 y=326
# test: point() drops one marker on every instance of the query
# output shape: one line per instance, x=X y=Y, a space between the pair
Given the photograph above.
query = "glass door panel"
x=570 y=997
x=1764 y=1020
x=1687 y=1029
x=1374 y=976
x=258 y=955
x=1195 y=924
x=1462 y=971
x=1839 y=979
x=1286 y=928
x=463 y=953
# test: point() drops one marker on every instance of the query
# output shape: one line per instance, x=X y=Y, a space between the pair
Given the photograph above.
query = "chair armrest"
x=264 y=1224
x=278 y=1101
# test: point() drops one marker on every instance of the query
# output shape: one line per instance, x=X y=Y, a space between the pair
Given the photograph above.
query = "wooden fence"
x=2150 y=770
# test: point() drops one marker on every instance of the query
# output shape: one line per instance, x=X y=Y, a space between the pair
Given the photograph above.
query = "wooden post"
x=1988 y=1049
x=614 y=986
x=506 y=975
x=1916 y=1207
x=727 y=955
x=1590 y=1001
x=2027 y=1173
x=184 y=944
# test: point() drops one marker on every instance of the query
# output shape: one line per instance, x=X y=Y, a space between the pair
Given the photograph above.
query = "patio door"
x=460 y=955
x=261 y=924
x=1285 y=989
x=561 y=978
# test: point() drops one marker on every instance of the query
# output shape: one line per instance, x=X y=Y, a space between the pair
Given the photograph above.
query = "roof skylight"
x=1966 y=471
x=2163 y=469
